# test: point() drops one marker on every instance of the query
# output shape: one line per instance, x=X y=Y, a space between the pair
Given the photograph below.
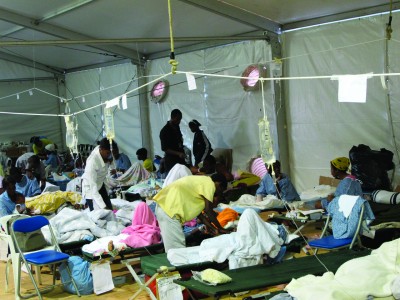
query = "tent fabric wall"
x=11 y=71
x=121 y=78
x=18 y=79
x=228 y=114
x=319 y=127
x=23 y=127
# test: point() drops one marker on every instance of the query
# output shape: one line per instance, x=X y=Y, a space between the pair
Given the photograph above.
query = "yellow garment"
x=183 y=197
x=214 y=276
x=1 y=171
x=246 y=178
x=37 y=149
x=148 y=165
x=50 y=202
x=341 y=163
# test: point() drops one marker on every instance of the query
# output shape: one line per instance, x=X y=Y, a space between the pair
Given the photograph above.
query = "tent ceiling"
x=201 y=22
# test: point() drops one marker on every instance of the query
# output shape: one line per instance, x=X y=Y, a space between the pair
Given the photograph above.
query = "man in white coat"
x=97 y=166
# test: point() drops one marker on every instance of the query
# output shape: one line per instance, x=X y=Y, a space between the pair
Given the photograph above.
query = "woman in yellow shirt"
x=185 y=199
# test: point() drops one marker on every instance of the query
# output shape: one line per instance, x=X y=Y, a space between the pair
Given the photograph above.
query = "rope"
x=174 y=63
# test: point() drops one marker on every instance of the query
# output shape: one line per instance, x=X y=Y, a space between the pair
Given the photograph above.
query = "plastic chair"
x=38 y=258
x=5 y=236
x=330 y=243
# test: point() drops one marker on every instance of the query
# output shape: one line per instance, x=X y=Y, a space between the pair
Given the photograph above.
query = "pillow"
x=214 y=276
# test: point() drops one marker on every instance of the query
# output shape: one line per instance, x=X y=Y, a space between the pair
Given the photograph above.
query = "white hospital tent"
x=70 y=58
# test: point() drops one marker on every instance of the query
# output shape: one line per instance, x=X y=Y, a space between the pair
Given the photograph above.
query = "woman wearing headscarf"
x=201 y=144
x=349 y=185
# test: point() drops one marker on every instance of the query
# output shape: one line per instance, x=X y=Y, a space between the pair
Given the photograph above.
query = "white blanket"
x=247 y=200
x=245 y=247
x=177 y=171
x=71 y=225
x=100 y=246
x=356 y=279
x=125 y=210
x=318 y=192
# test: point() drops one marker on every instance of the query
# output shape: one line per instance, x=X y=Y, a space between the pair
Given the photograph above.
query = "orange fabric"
x=227 y=215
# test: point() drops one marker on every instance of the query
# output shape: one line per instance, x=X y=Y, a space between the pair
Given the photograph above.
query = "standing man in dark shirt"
x=172 y=141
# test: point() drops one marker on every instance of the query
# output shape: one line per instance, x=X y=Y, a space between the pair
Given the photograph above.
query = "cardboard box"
x=328 y=181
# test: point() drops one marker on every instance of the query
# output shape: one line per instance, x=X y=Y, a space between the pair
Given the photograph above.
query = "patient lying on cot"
x=247 y=246
x=49 y=202
x=143 y=232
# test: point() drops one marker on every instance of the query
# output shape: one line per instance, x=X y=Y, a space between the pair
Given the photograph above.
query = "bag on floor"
x=102 y=277
x=80 y=270
x=371 y=166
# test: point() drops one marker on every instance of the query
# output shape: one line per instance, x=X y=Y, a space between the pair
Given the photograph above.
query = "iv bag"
x=266 y=143
x=71 y=140
x=109 y=123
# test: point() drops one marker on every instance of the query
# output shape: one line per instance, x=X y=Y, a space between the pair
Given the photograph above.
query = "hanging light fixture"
x=159 y=91
x=254 y=73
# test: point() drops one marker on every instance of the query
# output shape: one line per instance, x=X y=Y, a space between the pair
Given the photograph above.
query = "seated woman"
x=348 y=185
x=282 y=188
x=26 y=184
x=51 y=163
x=10 y=199
x=211 y=166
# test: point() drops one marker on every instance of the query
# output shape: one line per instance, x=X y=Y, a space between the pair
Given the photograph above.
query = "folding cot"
x=261 y=276
x=155 y=264
x=124 y=254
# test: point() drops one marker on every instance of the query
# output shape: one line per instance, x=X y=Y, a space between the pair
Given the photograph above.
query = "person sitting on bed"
x=36 y=166
x=39 y=145
x=52 y=161
x=147 y=163
x=211 y=166
x=348 y=185
x=282 y=188
x=10 y=198
x=26 y=184
x=122 y=161
x=182 y=201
